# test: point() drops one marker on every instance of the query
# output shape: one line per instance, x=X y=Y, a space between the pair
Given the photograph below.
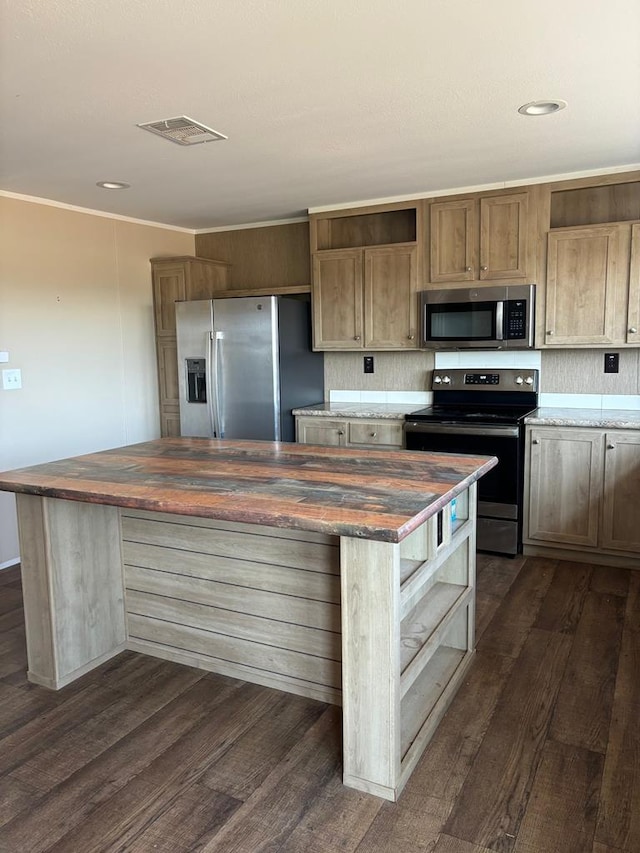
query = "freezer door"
x=194 y=330
x=245 y=367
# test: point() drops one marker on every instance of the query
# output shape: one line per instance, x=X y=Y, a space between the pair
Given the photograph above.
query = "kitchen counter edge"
x=597 y=418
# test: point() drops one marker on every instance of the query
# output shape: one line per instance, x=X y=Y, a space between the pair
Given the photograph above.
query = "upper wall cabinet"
x=482 y=238
x=593 y=265
x=177 y=279
x=365 y=279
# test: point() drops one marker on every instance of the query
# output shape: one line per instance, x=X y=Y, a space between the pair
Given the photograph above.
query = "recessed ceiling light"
x=541 y=108
x=113 y=185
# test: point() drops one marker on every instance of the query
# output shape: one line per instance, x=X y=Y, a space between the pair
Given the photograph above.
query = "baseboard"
x=10 y=563
x=577 y=556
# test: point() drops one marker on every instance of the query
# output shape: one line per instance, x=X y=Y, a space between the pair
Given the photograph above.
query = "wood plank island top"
x=371 y=494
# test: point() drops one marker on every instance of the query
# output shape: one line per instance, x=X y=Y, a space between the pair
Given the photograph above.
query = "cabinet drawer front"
x=372 y=432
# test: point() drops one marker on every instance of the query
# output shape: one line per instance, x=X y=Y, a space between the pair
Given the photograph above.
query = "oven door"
x=499 y=491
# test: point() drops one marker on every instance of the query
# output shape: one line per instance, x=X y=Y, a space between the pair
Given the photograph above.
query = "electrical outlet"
x=368 y=364
x=611 y=362
x=11 y=379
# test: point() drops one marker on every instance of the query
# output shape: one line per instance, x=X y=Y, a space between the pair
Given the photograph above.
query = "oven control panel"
x=456 y=379
x=482 y=379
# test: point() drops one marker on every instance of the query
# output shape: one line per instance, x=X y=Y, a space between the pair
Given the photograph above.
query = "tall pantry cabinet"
x=177 y=279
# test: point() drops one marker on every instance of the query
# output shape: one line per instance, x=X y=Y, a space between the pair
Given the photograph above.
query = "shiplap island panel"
x=340 y=574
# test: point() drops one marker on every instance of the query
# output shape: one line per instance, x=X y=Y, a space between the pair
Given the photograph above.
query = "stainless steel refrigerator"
x=243 y=364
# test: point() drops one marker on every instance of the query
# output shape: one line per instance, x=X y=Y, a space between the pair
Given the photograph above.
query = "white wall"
x=76 y=318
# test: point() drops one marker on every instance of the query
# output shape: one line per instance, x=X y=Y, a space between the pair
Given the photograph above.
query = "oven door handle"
x=456 y=429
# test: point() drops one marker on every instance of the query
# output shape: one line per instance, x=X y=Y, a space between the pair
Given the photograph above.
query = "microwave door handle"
x=500 y=320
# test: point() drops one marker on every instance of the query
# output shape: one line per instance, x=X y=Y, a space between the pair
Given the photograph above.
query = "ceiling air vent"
x=183 y=131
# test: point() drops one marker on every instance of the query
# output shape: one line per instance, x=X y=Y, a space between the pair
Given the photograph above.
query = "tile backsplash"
x=568 y=378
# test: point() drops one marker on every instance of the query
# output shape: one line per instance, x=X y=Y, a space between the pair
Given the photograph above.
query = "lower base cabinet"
x=583 y=487
x=345 y=432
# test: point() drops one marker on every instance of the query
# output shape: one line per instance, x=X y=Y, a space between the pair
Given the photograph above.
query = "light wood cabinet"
x=620 y=518
x=337 y=300
x=318 y=430
x=366 y=298
x=591 y=237
x=587 y=285
x=633 y=313
x=582 y=489
x=177 y=279
x=345 y=432
x=482 y=238
x=565 y=485
x=365 y=277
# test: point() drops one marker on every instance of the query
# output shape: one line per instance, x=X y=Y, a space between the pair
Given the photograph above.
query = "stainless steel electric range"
x=483 y=412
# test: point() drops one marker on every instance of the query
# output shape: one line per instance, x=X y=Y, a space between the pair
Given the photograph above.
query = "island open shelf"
x=338 y=574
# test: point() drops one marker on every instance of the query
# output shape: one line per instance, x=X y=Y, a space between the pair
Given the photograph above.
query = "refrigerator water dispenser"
x=196 y=380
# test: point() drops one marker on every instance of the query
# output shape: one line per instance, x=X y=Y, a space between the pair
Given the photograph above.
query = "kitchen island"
x=340 y=574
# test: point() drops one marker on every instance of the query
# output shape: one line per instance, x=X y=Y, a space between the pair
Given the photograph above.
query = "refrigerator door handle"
x=211 y=385
x=216 y=395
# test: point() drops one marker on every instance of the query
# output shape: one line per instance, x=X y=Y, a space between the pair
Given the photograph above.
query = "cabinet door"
x=620 y=519
x=168 y=287
x=503 y=236
x=390 y=300
x=585 y=297
x=169 y=424
x=565 y=485
x=337 y=300
x=633 y=317
x=319 y=430
x=453 y=236
x=168 y=371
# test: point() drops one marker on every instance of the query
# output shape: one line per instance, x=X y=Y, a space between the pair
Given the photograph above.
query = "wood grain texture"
x=61 y=812
x=261 y=257
x=373 y=494
x=276 y=783
x=619 y=813
x=563 y=603
x=583 y=709
x=564 y=793
x=495 y=793
x=121 y=820
x=519 y=609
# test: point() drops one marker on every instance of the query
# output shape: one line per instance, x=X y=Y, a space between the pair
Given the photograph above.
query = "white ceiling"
x=324 y=101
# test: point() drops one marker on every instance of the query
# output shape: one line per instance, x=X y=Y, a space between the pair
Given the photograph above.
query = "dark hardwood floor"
x=539 y=752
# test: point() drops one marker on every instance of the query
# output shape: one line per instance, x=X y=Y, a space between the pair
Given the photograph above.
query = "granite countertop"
x=392 y=411
x=604 y=418
x=372 y=494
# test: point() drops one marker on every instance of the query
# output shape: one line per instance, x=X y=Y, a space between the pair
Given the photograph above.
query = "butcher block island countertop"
x=335 y=573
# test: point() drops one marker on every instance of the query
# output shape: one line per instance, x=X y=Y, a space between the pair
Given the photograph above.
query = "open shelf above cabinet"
x=381 y=228
x=595 y=205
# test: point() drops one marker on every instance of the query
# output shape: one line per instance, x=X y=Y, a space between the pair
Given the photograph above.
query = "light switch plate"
x=4 y=356
x=12 y=379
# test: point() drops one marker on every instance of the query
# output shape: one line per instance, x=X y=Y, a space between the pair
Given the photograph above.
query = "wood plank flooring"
x=539 y=751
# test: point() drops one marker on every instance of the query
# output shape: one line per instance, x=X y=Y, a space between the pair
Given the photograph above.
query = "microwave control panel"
x=516 y=319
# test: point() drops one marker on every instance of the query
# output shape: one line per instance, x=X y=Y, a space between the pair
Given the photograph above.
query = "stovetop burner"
x=458 y=414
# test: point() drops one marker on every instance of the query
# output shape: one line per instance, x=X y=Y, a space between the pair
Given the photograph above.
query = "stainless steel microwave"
x=479 y=317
